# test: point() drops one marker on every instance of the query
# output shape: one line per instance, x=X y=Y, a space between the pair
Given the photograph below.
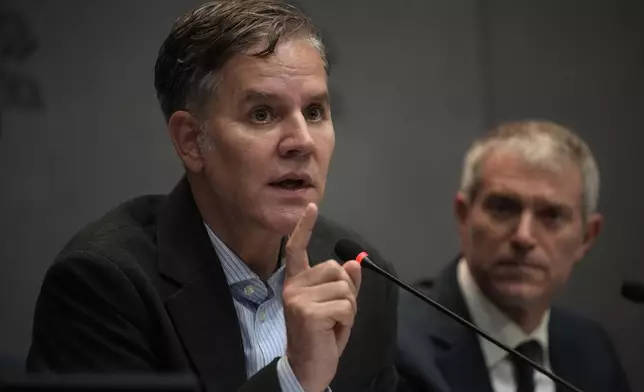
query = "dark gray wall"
x=413 y=83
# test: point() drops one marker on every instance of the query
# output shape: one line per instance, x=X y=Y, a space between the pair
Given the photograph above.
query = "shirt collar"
x=492 y=320
x=235 y=269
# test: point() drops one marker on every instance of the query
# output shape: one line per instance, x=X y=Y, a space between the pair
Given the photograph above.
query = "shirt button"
x=262 y=316
x=249 y=290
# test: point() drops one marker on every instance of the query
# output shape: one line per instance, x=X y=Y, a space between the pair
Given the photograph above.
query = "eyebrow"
x=539 y=200
x=256 y=95
x=556 y=204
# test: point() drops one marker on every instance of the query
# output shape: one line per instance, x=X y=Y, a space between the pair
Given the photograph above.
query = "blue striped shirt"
x=260 y=312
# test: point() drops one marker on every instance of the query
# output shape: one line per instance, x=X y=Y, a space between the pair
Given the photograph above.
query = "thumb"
x=354 y=270
x=296 y=258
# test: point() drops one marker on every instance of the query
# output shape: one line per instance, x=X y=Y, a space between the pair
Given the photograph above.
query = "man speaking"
x=225 y=277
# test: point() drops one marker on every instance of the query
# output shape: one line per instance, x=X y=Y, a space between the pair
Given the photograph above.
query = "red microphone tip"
x=361 y=256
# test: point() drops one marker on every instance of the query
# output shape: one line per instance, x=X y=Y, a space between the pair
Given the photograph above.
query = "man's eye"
x=314 y=113
x=551 y=215
x=502 y=206
x=261 y=116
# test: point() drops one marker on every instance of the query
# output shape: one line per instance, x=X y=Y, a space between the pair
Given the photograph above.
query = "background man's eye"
x=551 y=214
x=502 y=206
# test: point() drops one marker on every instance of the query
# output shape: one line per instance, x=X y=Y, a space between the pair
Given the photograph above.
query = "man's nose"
x=523 y=237
x=297 y=139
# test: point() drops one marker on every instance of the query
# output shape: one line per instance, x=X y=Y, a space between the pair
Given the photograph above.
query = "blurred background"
x=414 y=81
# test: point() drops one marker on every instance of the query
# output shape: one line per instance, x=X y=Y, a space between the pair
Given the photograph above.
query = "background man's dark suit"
x=142 y=290
x=438 y=354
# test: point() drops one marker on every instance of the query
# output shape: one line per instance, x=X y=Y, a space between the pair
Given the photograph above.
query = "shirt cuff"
x=287 y=379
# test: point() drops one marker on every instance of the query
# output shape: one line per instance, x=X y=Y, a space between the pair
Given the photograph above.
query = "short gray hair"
x=539 y=142
x=201 y=42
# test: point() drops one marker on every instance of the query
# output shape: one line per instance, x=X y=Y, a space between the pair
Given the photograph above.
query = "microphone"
x=633 y=291
x=349 y=250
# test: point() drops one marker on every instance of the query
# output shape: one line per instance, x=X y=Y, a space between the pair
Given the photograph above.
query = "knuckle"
x=345 y=287
x=352 y=306
x=348 y=312
x=333 y=269
x=308 y=312
x=330 y=264
x=290 y=297
x=296 y=306
x=287 y=292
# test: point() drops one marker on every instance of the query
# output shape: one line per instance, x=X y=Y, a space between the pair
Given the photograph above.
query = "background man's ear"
x=594 y=223
x=461 y=207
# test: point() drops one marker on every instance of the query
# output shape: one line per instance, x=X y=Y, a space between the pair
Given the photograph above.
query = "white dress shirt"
x=260 y=311
x=489 y=318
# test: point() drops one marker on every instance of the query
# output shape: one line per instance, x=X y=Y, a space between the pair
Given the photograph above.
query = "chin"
x=283 y=220
x=517 y=295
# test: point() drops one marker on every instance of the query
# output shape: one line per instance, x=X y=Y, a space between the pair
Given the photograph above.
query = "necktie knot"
x=531 y=349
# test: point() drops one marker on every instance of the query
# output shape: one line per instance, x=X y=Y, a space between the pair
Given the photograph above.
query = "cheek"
x=477 y=234
x=233 y=166
x=483 y=235
x=565 y=256
x=325 y=143
x=479 y=246
x=485 y=242
x=559 y=274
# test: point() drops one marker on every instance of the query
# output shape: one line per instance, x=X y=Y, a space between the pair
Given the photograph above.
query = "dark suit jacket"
x=142 y=290
x=436 y=353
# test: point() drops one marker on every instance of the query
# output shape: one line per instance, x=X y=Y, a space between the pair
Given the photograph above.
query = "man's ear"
x=185 y=131
x=593 y=226
x=461 y=208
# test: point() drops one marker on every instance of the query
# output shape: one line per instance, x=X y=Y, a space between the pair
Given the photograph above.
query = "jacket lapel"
x=463 y=367
x=562 y=357
x=202 y=308
x=459 y=354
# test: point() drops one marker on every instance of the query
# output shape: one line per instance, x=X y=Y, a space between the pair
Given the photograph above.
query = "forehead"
x=508 y=172
x=295 y=70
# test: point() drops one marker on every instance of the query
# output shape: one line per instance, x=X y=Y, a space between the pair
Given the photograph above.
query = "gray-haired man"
x=527 y=213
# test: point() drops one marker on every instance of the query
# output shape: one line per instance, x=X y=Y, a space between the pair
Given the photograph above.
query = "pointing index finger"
x=296 y=258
